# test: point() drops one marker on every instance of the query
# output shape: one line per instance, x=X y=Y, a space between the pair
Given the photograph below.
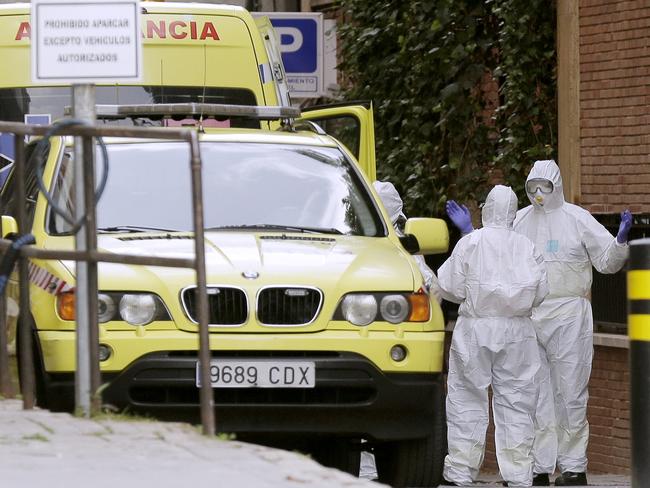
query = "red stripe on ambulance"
x=47 y=281
x=156 y=29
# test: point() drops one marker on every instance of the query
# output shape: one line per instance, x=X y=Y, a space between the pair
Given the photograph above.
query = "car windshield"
x=246 y=186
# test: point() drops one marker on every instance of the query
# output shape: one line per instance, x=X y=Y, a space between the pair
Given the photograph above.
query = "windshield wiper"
x=134 y=228
x=288 y=228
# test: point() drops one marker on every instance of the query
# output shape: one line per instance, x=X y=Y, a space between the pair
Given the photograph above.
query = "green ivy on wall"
x=463 y=91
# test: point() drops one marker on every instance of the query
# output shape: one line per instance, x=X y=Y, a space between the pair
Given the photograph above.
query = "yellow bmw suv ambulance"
x=321 y=329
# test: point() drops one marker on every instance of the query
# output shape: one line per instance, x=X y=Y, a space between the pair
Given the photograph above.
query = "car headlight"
x=359 y=309
x=138 y=309
x=105 y=308
x=394 y=308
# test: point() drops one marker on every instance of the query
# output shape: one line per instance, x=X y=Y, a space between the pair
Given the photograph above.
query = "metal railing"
x=93 y=256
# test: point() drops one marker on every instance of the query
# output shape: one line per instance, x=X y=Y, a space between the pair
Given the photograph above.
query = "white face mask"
x=538 y=198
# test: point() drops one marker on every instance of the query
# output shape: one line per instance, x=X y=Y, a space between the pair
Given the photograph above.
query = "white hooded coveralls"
x=497 y=276
x=393 y=203
x=571 y=241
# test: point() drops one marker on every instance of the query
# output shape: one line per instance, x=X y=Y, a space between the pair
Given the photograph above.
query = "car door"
x=275 y=60
x=352 y=124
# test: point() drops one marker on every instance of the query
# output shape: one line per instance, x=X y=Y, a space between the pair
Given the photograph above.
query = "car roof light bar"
x=259 y=112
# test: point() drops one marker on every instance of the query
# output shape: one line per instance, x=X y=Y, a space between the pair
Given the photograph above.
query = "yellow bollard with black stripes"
x=638 y=326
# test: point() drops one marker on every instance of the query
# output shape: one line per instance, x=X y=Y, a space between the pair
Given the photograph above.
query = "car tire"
x=341 y=454
x=416 y=462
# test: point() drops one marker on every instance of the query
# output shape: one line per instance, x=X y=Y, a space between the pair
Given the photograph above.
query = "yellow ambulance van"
x=192 y=52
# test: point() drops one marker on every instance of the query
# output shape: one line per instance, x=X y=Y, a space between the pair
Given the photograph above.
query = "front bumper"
x=360 y=391
x=351 y=397
x=425 y=349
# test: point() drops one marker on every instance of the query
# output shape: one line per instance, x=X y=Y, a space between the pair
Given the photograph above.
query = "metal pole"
x=638 y=289
x=24 y=332
x=83 y=106
x=207 y=394
x=92 y=293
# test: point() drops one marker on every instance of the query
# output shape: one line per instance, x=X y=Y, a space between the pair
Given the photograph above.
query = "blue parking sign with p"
x=298 y=44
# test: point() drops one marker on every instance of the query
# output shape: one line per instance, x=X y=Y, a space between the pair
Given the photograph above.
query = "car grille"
x=226 y=306
x=288 y=305
x=184 y=395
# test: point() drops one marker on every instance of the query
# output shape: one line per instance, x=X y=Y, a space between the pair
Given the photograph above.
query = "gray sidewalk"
x=57 y=450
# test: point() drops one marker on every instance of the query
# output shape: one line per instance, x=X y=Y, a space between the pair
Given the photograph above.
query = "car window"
x=244 y=184
x=346 y=129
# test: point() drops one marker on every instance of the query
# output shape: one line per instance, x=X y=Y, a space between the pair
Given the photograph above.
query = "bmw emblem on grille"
x=250 y=275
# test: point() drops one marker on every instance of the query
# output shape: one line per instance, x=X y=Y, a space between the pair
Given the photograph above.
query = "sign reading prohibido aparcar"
x=86 y=41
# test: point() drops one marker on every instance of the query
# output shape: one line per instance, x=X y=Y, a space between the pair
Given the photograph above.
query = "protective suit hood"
x=391 y=199
x=547 y=170
x=500 y=207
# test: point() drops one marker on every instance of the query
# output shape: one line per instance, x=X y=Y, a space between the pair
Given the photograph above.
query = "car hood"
x=281 y=258
x=334 y=264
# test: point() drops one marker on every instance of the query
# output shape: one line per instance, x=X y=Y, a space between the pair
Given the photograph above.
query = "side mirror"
x=410 y=243
x=9 y=226
x=432 y=234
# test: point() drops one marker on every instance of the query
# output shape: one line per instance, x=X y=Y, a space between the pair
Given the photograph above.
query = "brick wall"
x=614 y=105
x=608 y=413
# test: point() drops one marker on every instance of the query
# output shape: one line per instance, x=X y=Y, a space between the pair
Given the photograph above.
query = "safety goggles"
x=545 y=186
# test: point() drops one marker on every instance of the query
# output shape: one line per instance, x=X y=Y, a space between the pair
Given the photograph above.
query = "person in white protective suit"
x=497 y=276
x=572 y=241
x=393 y=204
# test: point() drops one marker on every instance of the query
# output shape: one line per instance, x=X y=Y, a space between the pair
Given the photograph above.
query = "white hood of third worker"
x=547 y=170
x=500 y=207
x=390 y=198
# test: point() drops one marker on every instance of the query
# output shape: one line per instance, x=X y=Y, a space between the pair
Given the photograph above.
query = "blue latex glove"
x=624 y=227
x=460 y=216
